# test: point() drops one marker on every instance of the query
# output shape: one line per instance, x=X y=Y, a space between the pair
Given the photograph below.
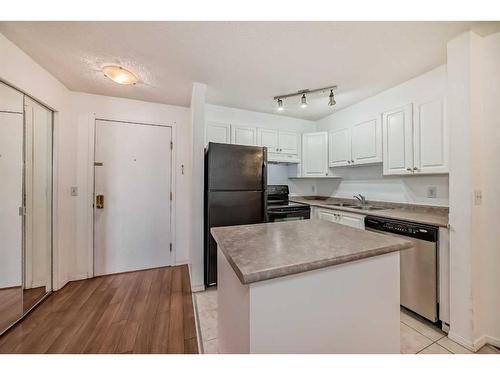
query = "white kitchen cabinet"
x=243 y=135
x=430 y=137
x=415 y=143
x=366 y=142
x=342 y=217
x=288 y=142
x=315 y=154
x=282 y=146
x=329 y=215
x=268 y=138
x=12 y=100
x=397 y=141
x=218 y=133
x=339 y=147
x=353 y=220
x=358 y=144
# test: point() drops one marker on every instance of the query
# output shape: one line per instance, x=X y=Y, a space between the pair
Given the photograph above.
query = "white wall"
x=277 y=173
x=486 y=245
x=87 y=107
x=369 y=179
x=197 y=131
x=22 y=72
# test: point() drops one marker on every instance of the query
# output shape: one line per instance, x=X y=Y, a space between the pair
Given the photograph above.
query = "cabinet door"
x=288 y=142
x=397 y=129
x=339 y=147
x=218 y=133
x=366 y=142
x=430 y=137
x=328 y=215
x=243 y=135
x=315 y=154
x=353 y=220
x=268 y=138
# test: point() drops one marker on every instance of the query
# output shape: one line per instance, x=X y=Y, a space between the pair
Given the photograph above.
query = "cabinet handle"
x=352 y=161
x=408 y=169
x=348 y=162
x=415 y=168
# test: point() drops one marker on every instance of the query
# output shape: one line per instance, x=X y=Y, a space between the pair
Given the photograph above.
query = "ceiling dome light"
x=119 y=75
x=331 y=101
x=280 y=105
x=303 y=101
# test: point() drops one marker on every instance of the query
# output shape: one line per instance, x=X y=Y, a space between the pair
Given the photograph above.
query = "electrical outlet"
x=478 y=197
x=431 y=192
x=74 y=191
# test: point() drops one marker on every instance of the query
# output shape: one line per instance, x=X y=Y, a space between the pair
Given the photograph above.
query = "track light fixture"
x=280 y=105
x=303 y=98
x=303 y=101
x=331 y=101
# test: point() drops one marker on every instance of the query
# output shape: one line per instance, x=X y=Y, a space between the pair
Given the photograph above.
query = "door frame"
x=91 y=185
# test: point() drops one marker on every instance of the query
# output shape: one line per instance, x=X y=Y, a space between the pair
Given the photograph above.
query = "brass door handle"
x=99 y=201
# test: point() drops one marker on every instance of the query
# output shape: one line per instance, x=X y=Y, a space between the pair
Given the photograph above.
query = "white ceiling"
x=244 y=64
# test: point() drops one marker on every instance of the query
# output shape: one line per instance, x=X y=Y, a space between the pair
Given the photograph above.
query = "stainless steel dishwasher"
x=418 y=264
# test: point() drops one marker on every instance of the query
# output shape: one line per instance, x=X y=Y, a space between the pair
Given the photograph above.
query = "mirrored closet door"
x=25 y=204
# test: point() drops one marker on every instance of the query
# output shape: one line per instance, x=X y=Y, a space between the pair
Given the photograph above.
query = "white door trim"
x=91 y=183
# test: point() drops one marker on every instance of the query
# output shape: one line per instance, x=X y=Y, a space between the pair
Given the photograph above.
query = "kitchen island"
x=307 y=286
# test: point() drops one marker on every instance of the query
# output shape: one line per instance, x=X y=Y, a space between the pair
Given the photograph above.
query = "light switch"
x=74 y=191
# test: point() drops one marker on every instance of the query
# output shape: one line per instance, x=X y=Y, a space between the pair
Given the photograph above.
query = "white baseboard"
x=81 y=276
x=476 y=344
x=462 y=341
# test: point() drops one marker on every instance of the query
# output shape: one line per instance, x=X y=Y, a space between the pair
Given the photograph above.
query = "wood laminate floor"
x=147 y=311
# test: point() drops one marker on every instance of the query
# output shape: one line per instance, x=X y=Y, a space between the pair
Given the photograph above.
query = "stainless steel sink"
x=342 y=205
x=357 y=206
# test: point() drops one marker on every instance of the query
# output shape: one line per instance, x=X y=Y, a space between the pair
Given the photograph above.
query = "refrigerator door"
x=235 y=167
x=226 y=208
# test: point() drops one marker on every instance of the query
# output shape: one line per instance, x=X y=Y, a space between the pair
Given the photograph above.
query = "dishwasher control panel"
x=414 y=230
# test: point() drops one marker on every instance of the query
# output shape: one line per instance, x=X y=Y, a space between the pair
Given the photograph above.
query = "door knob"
x=99 y=201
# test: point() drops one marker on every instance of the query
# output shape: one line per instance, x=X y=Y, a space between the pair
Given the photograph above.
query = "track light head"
x=303 y=101
x=280 y=105
x=331 y=101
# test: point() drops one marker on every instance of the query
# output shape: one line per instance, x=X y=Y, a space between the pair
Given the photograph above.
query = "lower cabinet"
x=341 y=217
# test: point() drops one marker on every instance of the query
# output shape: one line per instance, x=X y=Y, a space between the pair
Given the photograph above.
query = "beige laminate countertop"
x=437 y=216
x=266 y=251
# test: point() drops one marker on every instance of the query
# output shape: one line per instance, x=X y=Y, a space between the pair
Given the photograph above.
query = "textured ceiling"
x=244 y=64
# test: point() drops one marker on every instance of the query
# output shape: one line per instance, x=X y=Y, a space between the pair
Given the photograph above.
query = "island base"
x=347 y=308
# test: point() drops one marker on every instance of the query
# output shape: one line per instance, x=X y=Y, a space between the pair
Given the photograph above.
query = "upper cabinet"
x=218 y=132
x=12 y=100
x=355 y=145
x=415 y=139
x=282 y=146
x=340 y=147
x=315 y=154
x=244 y=135
x=430 y=137
x=397 y=142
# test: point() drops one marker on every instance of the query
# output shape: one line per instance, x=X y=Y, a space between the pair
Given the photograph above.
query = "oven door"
x=278 y=214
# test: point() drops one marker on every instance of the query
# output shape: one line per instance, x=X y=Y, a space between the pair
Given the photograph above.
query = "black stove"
x=279 y=208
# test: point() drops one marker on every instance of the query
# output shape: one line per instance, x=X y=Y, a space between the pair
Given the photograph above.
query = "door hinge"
x=171 y=145
x=170 y=246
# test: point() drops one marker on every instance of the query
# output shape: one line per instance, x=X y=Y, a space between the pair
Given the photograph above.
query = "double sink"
x=366 y=207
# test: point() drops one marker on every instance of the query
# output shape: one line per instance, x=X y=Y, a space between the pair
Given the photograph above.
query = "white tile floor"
x=417 y=335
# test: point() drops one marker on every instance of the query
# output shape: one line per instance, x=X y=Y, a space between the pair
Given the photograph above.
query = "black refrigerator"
x=235 y=193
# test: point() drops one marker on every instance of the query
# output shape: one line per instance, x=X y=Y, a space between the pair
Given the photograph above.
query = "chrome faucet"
x=361 y=199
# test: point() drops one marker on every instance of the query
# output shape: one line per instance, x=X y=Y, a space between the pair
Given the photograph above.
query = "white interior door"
x=132 y=230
